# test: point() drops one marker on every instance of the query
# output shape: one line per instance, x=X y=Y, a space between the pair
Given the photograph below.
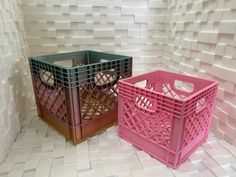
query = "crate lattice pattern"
x=196 y=122
x=95 y=99
x=158 y=132
x=51 y=98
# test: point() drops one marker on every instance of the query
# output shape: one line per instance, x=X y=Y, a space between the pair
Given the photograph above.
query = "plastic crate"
x=168 y=116
x=76 y=92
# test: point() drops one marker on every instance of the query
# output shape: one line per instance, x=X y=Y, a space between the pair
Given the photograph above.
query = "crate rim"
x=39 y=58
x=214 y=83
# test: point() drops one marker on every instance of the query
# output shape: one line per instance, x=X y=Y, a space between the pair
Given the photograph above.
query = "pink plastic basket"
x=169 y=117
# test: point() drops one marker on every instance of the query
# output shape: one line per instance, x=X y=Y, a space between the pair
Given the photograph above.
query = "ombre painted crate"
x=168 y=115
x=76 y=92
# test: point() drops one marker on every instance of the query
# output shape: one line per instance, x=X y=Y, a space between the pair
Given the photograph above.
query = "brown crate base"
x=82 y=132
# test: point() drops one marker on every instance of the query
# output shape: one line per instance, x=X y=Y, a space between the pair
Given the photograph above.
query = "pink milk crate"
x=169 y=116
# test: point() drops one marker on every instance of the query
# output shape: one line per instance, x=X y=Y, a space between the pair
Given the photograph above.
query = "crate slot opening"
x=145 y=103
x=200 y=104
x=105 y=77
x=47 y=77
x=142 y=83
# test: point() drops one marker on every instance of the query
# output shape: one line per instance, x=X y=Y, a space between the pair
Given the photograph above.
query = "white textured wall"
x=135 y=28
x=14 y=86
x=202 y=42
x=195 y=37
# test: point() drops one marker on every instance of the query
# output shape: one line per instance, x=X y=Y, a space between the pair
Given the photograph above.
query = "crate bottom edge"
x=126 y=134
x=108 y=120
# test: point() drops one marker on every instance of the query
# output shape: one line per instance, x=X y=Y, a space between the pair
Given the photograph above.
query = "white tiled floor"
x=42 y=152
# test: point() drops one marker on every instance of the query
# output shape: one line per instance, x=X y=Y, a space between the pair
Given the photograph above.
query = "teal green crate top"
x=82 y=66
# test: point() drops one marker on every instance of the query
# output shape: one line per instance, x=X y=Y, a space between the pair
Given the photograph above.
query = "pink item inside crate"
x=166 y=114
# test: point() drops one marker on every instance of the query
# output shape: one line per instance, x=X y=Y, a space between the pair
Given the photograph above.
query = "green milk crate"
x=76 y=92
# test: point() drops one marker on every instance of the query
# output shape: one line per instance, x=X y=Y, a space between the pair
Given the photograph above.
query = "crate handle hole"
x=142 y=84
x=184 y=86
x=201 y=104
x=47 y=77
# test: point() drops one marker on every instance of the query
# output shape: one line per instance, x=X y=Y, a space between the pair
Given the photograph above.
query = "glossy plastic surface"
x=166 y=114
